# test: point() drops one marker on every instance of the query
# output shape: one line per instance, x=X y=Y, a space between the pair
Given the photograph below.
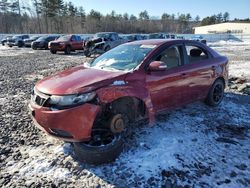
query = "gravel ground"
x=194 y=146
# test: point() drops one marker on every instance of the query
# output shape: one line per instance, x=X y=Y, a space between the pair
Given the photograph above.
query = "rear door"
x=79 y=42
x=199 y=71
x=76 y=42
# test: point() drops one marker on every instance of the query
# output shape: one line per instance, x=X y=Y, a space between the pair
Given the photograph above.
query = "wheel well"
x=131 y=106
x=106 y=47
x=222 y=79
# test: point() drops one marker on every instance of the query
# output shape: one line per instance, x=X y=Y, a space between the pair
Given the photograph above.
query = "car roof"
x=159 y=42
x=153 y=41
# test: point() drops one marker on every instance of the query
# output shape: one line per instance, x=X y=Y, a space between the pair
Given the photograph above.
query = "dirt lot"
x=194 y=146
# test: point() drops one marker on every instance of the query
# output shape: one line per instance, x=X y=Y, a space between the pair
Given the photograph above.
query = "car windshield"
x=34 y=37
x=17 y=37
x=64 y=38
x=42 y=38
x=122 y=58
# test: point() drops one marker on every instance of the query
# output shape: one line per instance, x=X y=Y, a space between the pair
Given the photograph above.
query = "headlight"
x=69 y=100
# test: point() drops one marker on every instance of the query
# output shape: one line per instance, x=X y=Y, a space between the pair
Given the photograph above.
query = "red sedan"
x=93 y=104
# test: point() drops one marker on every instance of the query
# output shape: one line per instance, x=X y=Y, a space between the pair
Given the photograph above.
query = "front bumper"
x=59 y=47
x=11 y=43
x=27 y=44
x=73 y=124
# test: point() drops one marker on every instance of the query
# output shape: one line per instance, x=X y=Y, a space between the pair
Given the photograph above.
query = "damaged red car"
x=92 y=105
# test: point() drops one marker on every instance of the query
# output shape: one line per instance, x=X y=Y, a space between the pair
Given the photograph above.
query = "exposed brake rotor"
x=117 y=124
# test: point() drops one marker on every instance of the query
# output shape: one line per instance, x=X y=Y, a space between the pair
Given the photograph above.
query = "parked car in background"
x=42 y=42
x=161 y=36
x=102 y=42
x=17 y=40
x=27 y=42
x=4 y=40
x=170 y=36
x=132 y=37
x=156 y=36
x=180 y=37
x=92 y=104
x=199 y=38
x=66 y=43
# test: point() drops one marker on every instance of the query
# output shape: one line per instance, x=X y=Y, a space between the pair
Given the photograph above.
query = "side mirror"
x=157 y=66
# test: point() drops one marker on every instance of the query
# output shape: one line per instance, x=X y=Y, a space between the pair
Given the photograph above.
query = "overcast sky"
x=236 y=8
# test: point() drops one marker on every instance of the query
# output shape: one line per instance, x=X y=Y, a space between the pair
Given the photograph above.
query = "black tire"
x=20 y=44
x=107 y=48
x=34 y=48
x=87 y=53
x=216 y=93
x=53 y=51
x=46 y=47
x=67 y=50
x=96 y=152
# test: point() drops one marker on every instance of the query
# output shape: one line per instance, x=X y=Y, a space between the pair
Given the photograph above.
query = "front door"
x=168 y=87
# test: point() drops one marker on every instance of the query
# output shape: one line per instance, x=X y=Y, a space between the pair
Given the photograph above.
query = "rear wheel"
x=53 y=51
x=46 y=47
x=19 y=44
x=87 y=53
x=67 y=50
x=216 y=93
x=103 y=147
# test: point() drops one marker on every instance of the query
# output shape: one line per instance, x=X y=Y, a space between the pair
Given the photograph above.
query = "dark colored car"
x=42 y=42
x=4 y=40
x=132 y=37
x=101 y=43
x=27 y=42
x=17 y=40
x=156 y=36
x=161 y=36
x=66 y=43
x=92 y=105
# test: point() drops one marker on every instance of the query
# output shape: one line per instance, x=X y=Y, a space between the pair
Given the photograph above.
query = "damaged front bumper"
x=73 y=124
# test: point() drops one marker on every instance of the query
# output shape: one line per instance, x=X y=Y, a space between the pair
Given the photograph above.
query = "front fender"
x=112 y=93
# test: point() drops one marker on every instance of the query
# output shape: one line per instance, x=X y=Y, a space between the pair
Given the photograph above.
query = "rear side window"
x=78 y=38
x=196 y=54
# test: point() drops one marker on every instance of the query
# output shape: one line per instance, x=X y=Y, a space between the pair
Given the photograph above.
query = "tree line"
x=57 y=16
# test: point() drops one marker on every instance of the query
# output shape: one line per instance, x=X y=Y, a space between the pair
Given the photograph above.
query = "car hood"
x=28 y=40
x=77 y=80
x=58 y=41
x=38 y=41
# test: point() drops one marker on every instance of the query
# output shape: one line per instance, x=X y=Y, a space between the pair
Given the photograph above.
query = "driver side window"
x=171 y=57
